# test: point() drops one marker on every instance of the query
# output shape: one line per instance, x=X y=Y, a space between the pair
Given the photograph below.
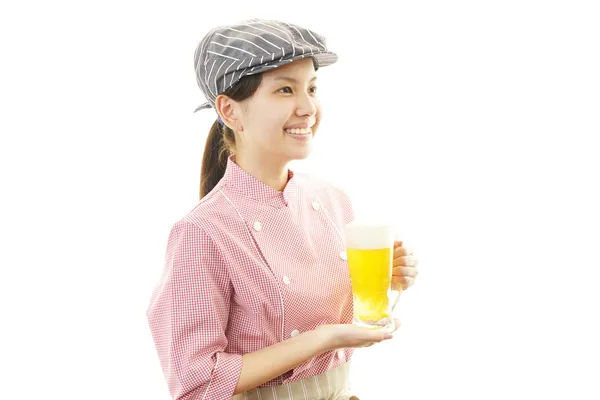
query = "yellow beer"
x=370 y=254
x=370 y=272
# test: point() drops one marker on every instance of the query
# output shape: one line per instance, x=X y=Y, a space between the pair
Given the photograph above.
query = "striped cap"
x=228 y=53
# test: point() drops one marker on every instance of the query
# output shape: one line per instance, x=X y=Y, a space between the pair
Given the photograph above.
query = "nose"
x=306 y=106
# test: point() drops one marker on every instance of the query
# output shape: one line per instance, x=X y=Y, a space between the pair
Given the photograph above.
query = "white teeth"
x=297 y=131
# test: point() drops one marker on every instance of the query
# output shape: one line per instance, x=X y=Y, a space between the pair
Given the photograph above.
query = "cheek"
x=270 y=122
x=272 y=128
x=277 y=123
x=318 y=116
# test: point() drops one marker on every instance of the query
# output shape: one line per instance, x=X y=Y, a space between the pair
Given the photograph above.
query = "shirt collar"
x=241 y=182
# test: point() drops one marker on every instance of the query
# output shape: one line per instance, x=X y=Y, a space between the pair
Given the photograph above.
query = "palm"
x=350 y=335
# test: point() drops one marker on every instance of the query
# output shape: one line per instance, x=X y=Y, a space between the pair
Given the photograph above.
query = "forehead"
x=300 y=70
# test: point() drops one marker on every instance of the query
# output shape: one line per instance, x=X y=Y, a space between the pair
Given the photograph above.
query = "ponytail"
x=214 y=161
x=220 y=143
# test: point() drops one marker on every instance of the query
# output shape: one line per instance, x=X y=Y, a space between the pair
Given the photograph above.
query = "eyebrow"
x=290 y=79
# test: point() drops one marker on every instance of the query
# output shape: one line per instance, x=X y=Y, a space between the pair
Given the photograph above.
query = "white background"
x=472 y=125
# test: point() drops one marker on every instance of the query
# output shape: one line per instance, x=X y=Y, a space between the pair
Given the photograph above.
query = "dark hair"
x=220 y=143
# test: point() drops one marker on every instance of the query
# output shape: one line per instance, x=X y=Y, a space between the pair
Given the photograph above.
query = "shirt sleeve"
x=188 y=315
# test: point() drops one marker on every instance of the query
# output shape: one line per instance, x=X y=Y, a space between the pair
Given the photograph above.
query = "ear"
x=228 y=110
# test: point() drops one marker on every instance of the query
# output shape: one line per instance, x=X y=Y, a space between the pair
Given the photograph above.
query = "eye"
x=286 y=89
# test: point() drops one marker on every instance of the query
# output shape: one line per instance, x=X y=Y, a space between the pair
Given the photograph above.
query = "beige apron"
x=331 y=385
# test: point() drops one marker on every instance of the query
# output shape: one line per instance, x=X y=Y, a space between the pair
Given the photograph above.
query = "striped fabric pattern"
x=330 y=385
x=228 y=53
x=247 y=268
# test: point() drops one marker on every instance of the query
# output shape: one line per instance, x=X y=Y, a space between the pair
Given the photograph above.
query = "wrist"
x=324 y=338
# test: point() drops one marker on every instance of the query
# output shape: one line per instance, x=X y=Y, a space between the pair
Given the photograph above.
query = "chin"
x=300 y=155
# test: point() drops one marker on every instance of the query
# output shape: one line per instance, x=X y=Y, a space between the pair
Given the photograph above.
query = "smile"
x=297 y=131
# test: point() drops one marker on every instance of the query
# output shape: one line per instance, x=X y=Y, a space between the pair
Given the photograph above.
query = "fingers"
x=400 y=251
x=404 y=265
x=403 y=256
x=376 y=335
x=405 y=271
x=407 y=261
x=402 y=282
x=403 y=277
x=369 y=337
x=386 y=335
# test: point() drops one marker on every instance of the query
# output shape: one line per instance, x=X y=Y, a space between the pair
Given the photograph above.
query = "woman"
x=255 y=300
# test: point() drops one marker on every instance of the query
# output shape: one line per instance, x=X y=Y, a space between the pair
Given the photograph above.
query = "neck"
x=273 y=173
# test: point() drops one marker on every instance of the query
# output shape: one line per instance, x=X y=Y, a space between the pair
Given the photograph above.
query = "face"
x=281 y=118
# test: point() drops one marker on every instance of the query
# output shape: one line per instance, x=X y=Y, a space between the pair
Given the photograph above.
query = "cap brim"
x=323 y=59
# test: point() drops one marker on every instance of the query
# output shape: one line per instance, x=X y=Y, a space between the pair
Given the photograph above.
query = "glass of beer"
x=370 y=250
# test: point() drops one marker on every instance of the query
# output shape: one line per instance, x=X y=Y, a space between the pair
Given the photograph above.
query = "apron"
x=330 y=385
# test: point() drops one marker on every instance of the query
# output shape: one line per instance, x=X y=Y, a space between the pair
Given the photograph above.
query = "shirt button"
x=316 y=205
x=257 y=226
x=343 y=255
x=295 y=332
x=286 y=280
x=340 y=354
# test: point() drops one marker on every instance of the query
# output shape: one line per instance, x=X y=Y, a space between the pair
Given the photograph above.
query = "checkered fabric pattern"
x=247 y=268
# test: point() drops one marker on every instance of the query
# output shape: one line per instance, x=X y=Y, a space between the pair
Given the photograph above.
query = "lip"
x=300 y=126
x=301 y=137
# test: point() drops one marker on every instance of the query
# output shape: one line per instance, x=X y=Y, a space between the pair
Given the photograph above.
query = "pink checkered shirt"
x=247 y=268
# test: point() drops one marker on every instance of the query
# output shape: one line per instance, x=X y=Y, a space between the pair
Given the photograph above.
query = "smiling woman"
x=285 y=99
x=263 y=111
x=256 y=299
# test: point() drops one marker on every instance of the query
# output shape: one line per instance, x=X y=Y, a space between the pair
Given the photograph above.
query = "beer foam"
x=368 y=236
